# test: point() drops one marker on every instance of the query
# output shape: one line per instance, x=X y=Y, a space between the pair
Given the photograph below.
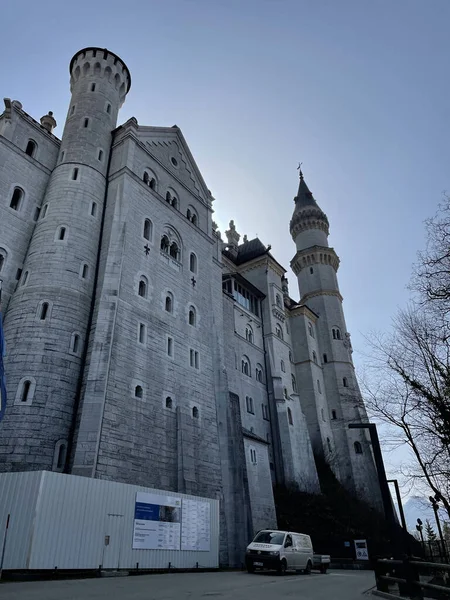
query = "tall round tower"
x=315 y=265
x=48 y=315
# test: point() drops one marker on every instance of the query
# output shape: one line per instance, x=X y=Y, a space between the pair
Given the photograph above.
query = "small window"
x=278 y=300
x=152 y=184
x=61 y=457
x=142 y=289
x=192 y=316
x=18 y=274
x=61 y=158
x=108 y=108
x=31 y=148
x=253 y=456
x=333 y=415
x=165 y=244
x=44 y=311
x=168 y=197
x=291 y=358
x=138 y=392
x=25 y=278
x=174 y=161
x=100 y=155
x=142 y=333
x=283 y=368
x=61 y=233
x=322 y=412
x=265 y=412
x=311 y=270
x=336 y=333
x=330 y=449
x=193 y=263
x=85 y=271
x=285 y=393
x=72 y=110
x=169 y=303
x=44 y=211
x=86 y=123
x=259 y=373
x=289 y=413
x=2 y=260
x=147 y=229
x=314 y=355
x=146 y=178
x=195 y=412
x=16 y=199
x=294 y=383
x=74 y=174
x=92 y=87
x=174 y=202
x=169 y=402
x=278 y=331
x=37 y=212
x=94 y=209
x=345 y=382
x=173 y=251
x=245 y=366
x=325 y=358
x=310 y=329
x=26 y=385
x=169 y=346
x=249 y=404
x=76 y=343
x=358 y=448
x=319 y=387
x=249 y=334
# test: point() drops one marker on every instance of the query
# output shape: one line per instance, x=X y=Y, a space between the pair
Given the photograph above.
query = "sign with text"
x=196 y=526
x=157 y=522
x=362 y=552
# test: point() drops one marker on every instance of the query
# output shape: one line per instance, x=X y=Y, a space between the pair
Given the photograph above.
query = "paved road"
x=335 y=585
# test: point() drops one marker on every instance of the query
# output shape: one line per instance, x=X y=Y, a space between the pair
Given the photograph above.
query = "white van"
x=280 y=550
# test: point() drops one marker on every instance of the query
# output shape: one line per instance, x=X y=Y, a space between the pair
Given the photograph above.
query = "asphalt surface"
x=335 y=585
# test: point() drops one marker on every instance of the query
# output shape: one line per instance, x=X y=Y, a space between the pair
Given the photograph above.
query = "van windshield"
x=269 y=537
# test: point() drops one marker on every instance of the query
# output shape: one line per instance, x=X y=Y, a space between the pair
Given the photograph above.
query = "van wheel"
x=307 y=571
x=282 y=567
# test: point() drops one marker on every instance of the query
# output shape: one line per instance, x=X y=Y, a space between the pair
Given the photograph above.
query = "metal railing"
x=412 y=578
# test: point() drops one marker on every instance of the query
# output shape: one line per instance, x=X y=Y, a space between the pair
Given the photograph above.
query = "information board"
x=362 y=552
x=196 y=525
x=157 y=522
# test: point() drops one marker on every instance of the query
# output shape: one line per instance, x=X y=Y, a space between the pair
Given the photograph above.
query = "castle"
x=144 y=349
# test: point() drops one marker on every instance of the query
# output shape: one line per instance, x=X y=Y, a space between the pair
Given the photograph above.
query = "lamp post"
x=402 y=516
x=419 y=528
x=435 y=504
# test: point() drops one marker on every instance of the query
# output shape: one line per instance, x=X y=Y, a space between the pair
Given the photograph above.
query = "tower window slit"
x=86 y=123
x=75 y=174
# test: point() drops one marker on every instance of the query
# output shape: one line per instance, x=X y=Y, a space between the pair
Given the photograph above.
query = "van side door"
x=289 y=551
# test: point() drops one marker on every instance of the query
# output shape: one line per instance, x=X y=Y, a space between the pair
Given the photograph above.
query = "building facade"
x=141 y=347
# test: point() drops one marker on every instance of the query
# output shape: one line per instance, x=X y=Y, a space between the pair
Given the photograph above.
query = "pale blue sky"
x=357 y=90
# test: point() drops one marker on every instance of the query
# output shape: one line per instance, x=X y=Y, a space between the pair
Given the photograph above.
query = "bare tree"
x=408 y=390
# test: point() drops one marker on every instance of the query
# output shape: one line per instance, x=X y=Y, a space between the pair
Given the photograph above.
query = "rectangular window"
x=193 y=359
x=93 y=87
x=249 y=403
x=265 y=412
x=75 y=174
x=170 y=346
x=37 y=212
x=196 y=362
x=86 y=122
x=93 y=209
x=18 y=274
x=142 y=333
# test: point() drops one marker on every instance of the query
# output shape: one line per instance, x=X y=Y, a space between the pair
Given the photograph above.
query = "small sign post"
x=362 y=552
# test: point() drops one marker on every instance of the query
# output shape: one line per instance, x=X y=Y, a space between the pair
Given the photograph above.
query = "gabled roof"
x=250 y=250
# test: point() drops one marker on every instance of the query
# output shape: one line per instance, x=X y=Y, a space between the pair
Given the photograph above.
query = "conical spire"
x=304 y=195
x=307 y=213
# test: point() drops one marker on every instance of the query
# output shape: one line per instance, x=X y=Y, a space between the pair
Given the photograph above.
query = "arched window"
x=194 y=219
x=148 y=229
x=61 y=234
x=278 y=331
x=75 y=343
x=310 y=329
x=142 y=289
x=245 y=366
x=278 y=300
x=259 y=373
x=358 y=448
x=191 y=215
x=192 y=263
x=59 y=457
x=165 y=244
x=168 y=197
x=146 y=178
x=152 y=184
x=336 y=333
x=16 y=199
x=169 y=302
x=192 y=316
x=138 y=392
x=289 y=413
x=3 y=255
x=174 y=252
x=174 y=202
x=26 y=386
x=31 y=148
x=330 y=449
x=249 y=334
x=283 y=368
x=195 y=412
x=314 y=357
x=169 y=402
x=44 y=311
x=294 y=383
x=345 y=382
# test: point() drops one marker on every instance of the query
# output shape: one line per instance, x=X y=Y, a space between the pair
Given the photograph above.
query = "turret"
x=50 y=311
